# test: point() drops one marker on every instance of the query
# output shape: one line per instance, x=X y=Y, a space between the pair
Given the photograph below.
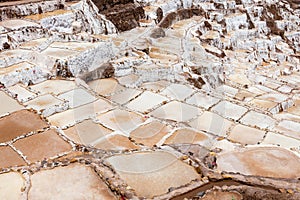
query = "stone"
x=157 y=33
x=12 y=186
x=152 y=173
x=106 y=70
x=246 y=135
x=75 y=181
x=124 y=16
x=36 y=147
x=260 y=161
x=8 y=157
x=19 y=123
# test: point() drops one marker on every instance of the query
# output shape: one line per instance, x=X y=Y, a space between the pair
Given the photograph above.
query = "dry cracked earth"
x=150 y=99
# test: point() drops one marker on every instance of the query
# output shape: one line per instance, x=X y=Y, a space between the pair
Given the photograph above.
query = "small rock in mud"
x=211 y=161
x=219 y=195
x=157 y=33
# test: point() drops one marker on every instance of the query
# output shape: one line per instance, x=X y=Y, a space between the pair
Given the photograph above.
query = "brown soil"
x=19 y=123
x=8 y=157
x=36 y=147
x=219 y=195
